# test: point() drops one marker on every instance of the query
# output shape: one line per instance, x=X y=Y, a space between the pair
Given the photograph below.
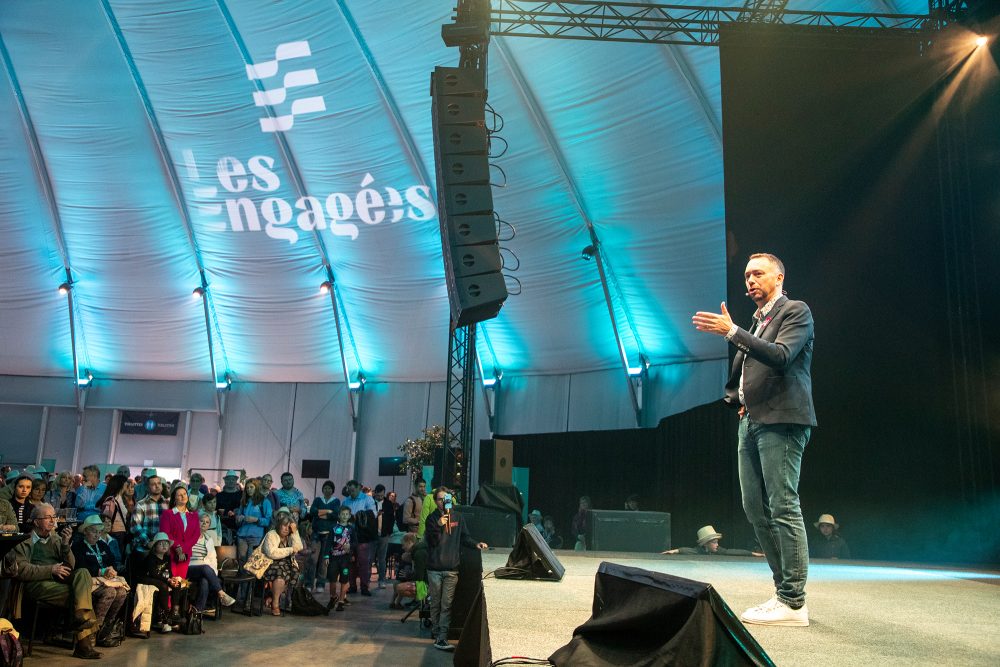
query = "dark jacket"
x=155 y=568
x=702 y=551
x=86 y=558
x=444 y=542
x=829 y=547
x=387 y=512
x=777 y=385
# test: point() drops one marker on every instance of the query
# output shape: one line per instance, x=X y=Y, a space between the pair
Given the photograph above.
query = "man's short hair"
x=353 y=482
x=771 y=258
x=42 y=509
x=287 y=474
x=379 y=487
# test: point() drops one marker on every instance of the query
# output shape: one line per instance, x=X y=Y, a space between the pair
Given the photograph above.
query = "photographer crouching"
x=445 y=533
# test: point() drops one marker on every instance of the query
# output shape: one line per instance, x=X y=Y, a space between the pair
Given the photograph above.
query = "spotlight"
x=325 y=287
x=982 y=40
x=64 y=289
x=226 y=383
x=588 y=253
x=198 y=293
x=87 y=378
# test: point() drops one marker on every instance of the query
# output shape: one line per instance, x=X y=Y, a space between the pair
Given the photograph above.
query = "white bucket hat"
x=827 y=518
x=707 y=534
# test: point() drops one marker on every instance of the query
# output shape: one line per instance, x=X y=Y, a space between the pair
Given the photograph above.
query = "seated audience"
x=45 y=565
x=829 y=544
x=632 y=503
x=281 y=544
x=535 y=519
x=109 y=589
x=62 y=495
x=708 y=545
x=204 y=567
x=154 y=571
x=38 y=489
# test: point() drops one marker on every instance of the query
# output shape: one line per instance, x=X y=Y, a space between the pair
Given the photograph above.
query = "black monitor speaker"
x=531 y=558
x=649 y=618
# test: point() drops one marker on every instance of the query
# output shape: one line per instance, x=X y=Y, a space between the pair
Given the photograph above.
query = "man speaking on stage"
x=771 y=386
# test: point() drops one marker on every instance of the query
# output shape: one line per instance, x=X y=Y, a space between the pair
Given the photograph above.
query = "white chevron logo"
x=278 y=96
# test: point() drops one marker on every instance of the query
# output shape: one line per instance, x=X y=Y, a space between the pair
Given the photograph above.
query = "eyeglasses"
x=45 y=518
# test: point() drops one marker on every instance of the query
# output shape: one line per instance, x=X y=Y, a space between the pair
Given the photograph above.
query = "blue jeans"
x=770 y=458
x=441 y=591
x=383 y=549
x=208 y=582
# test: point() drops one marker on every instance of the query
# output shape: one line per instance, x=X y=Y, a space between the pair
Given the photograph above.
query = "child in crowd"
x=309 y=553
x=343 y=543
x=405 y=586
x=156 y=572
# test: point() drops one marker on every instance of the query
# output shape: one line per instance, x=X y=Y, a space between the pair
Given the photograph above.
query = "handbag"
x=304 y=604
x=194 y=622
x=258 y=563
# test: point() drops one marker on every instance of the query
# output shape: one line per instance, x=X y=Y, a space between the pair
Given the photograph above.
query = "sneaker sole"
x=784 y=623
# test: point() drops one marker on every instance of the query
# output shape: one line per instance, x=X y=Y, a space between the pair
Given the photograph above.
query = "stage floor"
x=860 y=613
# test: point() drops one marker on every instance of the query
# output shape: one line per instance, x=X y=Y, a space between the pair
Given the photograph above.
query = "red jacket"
x=185 y=538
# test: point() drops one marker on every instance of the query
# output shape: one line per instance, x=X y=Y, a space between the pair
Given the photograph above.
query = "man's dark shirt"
x=829 y=547
x=226 y=501
x=444 y=547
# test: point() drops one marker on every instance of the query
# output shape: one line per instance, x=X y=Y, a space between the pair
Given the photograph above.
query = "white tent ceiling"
x=130 y=139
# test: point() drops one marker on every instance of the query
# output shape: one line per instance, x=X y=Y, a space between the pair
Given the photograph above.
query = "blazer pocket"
x=777 y=389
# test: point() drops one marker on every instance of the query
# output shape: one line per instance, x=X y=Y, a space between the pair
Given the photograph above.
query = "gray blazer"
x=777 y=386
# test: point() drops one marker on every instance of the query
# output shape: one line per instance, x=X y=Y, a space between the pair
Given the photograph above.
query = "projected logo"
x=243 y=196
x=278 y=97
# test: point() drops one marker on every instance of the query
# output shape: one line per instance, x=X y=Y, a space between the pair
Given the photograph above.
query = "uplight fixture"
x=64 y=289
x=325 y=287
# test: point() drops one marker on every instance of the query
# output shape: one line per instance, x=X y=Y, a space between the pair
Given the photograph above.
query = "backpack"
x=364 y=521
x=11 y=653
x=304 y=604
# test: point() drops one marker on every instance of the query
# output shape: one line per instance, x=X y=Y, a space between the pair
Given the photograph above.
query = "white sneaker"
x=227 y=600
x=761 y=607
x=777 y=614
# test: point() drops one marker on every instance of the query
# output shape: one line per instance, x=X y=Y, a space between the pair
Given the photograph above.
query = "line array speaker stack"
x=471 y=249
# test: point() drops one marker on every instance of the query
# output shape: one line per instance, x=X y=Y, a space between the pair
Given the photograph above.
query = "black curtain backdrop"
x=869 y=165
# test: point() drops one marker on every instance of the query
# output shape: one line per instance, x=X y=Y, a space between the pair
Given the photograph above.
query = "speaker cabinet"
x=495 y=527
x=620 y=530
x=496 y=462
x=648 y=618
x=531 y=558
